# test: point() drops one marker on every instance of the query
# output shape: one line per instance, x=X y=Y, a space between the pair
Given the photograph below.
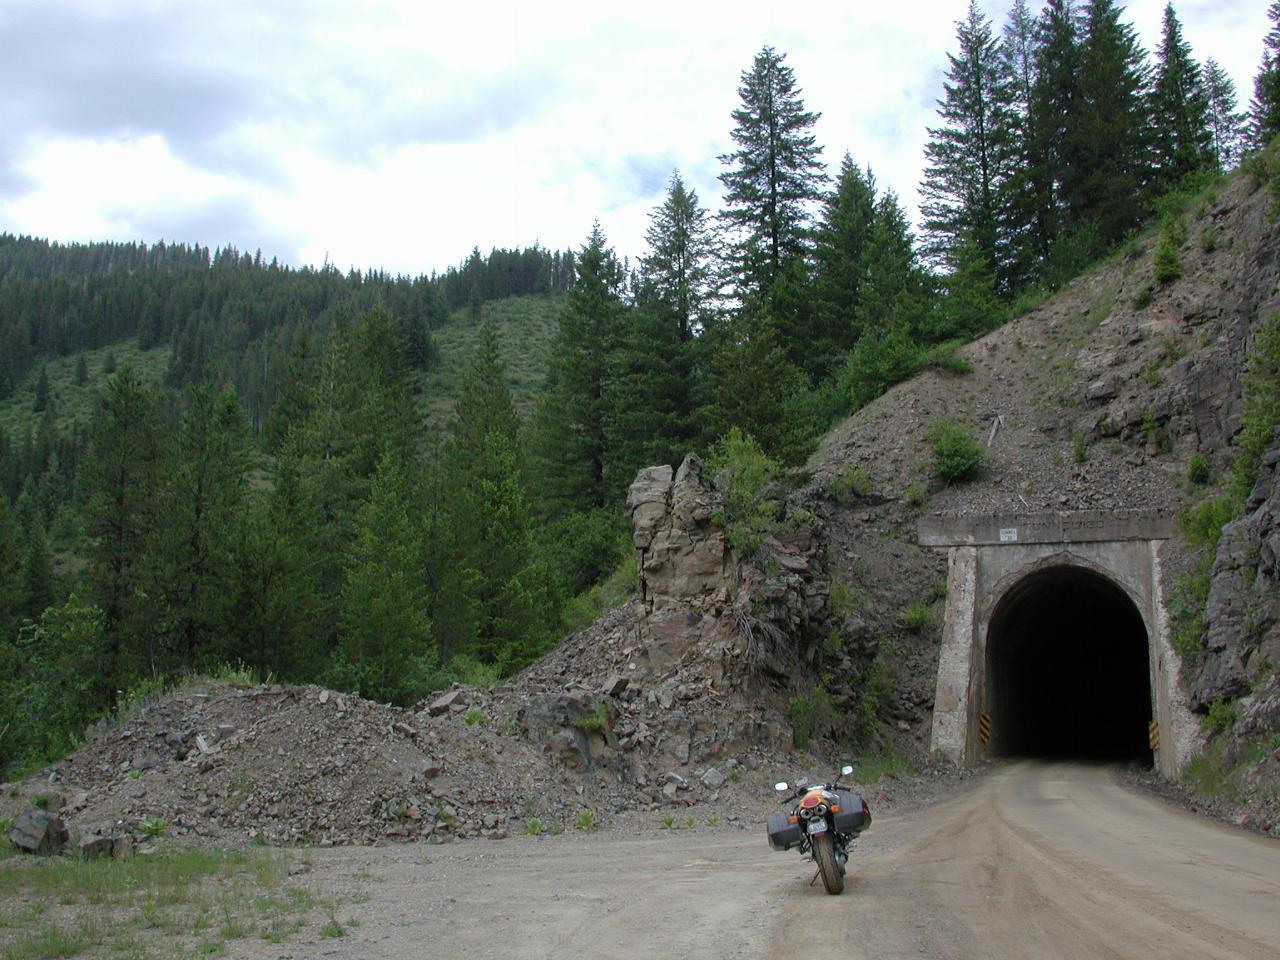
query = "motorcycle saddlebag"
x=850 y=818
x=783 y=835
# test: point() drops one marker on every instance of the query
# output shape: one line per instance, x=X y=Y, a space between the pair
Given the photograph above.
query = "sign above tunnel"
x=1081 y=526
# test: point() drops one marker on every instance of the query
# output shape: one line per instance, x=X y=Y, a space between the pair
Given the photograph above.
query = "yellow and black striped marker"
x=1153 y=734
x=984 y=728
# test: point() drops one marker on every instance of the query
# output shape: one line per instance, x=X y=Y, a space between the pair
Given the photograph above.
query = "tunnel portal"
x=1055 y=640
x=1068 y=670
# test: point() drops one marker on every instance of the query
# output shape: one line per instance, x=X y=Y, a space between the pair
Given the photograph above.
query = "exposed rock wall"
x=1242 y=615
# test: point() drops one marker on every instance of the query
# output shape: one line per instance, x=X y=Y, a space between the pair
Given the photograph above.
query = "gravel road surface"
x=1033 y=860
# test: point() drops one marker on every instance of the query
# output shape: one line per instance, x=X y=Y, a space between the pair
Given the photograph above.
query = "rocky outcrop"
x=680 y=552
x=1243 y=611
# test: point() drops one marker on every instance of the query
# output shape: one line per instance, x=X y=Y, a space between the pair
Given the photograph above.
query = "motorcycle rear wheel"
x=824 y=853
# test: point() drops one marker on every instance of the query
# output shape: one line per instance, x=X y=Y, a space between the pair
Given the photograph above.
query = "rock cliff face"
x=1242 y=642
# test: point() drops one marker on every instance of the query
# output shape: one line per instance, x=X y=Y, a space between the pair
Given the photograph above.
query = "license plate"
x=817 y=826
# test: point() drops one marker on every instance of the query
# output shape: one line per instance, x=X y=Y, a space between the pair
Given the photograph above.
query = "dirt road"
x=1032 y=861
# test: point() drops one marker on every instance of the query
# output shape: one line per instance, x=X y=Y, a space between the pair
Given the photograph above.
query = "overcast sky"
x=400 y=135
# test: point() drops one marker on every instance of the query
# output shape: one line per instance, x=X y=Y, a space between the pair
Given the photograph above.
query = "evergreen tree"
x=966 y=155
x=570 y=444
x=82 y=371
x=385 y=647
x=1017 y=200
x=121 y=478
x=1179 y=109
x=1107 y=171
x=1226 y=122
x=752 y=386
x=41 y=402
x=895 y=290
x=11 y=595
x=203 y=499
x=1053 y=101
x=841 y=248
x=774 y=176
x=1264 y=109
x=676 y=273
x=37 y=585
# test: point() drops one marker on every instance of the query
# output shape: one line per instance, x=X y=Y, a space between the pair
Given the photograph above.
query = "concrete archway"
x=1055 y=640
x=1067 y=669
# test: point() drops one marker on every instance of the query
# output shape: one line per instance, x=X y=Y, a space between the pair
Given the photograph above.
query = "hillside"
x=524 y=327
x=696 y=689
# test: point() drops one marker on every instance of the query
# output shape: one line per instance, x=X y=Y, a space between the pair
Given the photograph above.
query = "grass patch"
x=597 y=721
x=877 y=767
x=918 y=617
x=175 y=903
x=850 y=485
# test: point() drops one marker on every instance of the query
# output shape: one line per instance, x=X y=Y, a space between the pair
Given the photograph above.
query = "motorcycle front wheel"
x=825 y=855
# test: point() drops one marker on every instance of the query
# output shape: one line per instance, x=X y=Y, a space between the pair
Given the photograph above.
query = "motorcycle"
x=825 y=820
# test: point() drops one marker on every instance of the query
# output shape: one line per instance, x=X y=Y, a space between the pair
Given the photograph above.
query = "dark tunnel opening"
x=1068 y=670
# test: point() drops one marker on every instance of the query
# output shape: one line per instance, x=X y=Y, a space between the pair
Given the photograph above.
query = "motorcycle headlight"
x=805 y=813
x=820 y=809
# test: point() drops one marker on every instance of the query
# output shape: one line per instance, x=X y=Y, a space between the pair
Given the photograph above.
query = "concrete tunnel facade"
x=1055 y=641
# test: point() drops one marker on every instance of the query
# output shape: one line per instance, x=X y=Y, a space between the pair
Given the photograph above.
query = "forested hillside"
x=261 y=478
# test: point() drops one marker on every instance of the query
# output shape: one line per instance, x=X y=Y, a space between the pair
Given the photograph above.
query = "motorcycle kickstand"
x=815 y=878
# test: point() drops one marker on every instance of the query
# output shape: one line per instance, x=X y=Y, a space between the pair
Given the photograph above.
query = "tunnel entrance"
x=1068 y=673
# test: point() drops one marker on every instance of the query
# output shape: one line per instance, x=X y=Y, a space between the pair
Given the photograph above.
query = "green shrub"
x=1221 y=716
x=915 y=495
x=918 y=617
x=851 y=484
x=1261 y=408
x=533 y=827
x=1142 y=299
x=742 y=474
x=473 y=717
x=875 y=364
x=1186 y=609
x=1202 y=524
x=1198 y=471
x=1167 y=260
x=586 y=820
x=873 y=703
x=1079 y=449
x=957 y=452
x=945 y=356
x=812 y=715
x=597 y=721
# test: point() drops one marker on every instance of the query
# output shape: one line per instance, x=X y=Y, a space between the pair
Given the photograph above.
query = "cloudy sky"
x=400 y=135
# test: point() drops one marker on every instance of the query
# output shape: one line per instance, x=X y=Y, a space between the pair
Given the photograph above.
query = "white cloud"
x=401 y=135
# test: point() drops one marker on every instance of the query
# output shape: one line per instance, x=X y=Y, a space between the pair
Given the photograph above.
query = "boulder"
x=38 y=831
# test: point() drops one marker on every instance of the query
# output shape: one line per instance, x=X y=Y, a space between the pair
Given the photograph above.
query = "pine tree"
x=676 y=273
x=1264 y=109
x=570 y=444
x=841 y=247
x=775 y=175
x=1017 y=208
x=752 y=386
x=966 y=155
x=121 y=478
x=1179 y=109
x=1107 y=172
x=203 y=498
x=385 y=646
x=11 y=595
x=41 y=401
x=1053 y=100
x=1226 y=122
x=895 y=290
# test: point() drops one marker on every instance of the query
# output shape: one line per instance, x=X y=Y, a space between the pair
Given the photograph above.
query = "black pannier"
x=850 y=818
x=783 y=835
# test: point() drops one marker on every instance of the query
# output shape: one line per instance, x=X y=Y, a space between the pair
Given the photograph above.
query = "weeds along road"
x=1033 y=861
